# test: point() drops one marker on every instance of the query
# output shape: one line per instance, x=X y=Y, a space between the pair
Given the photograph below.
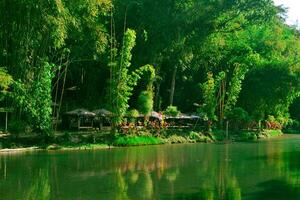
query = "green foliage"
x=238 y=118
x=17 y=126
x=271 y=133
x=5 y=80
x=136 y=75
x=137 y=141
x=194 y=136
x=250 y=55
x=238 y=114
x=247 y=136
x=235 y=87
x=122 y=82
x=36 y=101
x=210 y=96
x=177 y=139
x=172 y=111
x=145 y=102
x=120 y=90
x=274 y=90
x=132 y=115
x=60 y=32
x=292 y=127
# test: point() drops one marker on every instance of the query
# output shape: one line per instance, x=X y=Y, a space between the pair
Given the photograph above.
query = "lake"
x=258 y=170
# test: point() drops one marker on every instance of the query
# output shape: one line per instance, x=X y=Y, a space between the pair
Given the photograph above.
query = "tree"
x=5 y=81
x=37 y=101
x=145 y=102
x=210 y=98
x=49 y=32
x=122 y=82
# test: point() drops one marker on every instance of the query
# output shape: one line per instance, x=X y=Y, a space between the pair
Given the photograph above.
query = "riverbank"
x=104 y=140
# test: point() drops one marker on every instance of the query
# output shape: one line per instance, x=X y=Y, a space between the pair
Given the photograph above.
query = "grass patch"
x=272 y=133
x=137 y=141
x=77 y=147
x=177 y=139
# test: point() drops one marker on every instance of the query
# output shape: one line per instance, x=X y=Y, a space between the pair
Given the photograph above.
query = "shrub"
x=17 y=127
x=132 y=115
x=176 y=139
x=271 y=133
x=294 y=125
x=239 y=118
x=145 y=102
x=67 y=137
x=238 y=114
x=172 y=111
x=248 y=136
x=272 y=123
x=198 y=137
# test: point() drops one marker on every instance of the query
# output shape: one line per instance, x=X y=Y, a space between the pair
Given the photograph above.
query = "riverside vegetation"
x=235 y=64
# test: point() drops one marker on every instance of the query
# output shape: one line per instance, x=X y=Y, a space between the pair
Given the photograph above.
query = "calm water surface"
x=263 y=170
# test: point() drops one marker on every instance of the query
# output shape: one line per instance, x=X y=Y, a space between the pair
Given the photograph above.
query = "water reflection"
x=267 y=170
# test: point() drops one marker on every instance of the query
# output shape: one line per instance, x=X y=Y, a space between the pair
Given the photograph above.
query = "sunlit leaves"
x=5 y=80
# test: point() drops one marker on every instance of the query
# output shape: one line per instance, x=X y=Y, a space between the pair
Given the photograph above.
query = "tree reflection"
x=40 y=188
x=121 y=187
x=205 y=172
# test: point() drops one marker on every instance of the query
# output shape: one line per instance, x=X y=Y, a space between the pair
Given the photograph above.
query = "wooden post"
x=101 y=123
x=78 y=123
x=6 y=120
x=227 y=125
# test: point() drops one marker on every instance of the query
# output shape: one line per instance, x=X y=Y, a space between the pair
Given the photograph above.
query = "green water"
x=263 y=170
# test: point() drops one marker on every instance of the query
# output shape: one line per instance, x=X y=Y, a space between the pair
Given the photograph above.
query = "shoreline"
x=104 y=146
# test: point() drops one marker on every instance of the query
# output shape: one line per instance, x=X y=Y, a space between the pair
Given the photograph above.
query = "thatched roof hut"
x=79 y=118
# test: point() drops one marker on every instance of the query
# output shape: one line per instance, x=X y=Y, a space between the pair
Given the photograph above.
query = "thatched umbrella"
x=103 y=113
x=156 y=115
x=83 y=118
x=81 y=112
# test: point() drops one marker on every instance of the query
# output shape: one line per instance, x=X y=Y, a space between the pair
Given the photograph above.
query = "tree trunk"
x=172 y=91
x=157 y=99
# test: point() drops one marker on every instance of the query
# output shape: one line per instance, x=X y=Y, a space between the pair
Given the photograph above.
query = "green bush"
x=132 y=115
x=67 y=137
x=176 y=139
x=272 y=133
x=145 y=102
x=172 y=111
x=247 y=136
x=238 y=114
x=273 y=123
x=17 y=127
x=293 y=127
x=198 y=137
x=239 y=118
x=218 y=135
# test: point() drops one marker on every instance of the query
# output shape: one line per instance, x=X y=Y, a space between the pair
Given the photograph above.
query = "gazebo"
x=80 y=118
x=103 y=118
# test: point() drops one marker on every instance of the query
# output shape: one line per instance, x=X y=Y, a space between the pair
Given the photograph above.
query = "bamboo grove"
x=224 y=60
